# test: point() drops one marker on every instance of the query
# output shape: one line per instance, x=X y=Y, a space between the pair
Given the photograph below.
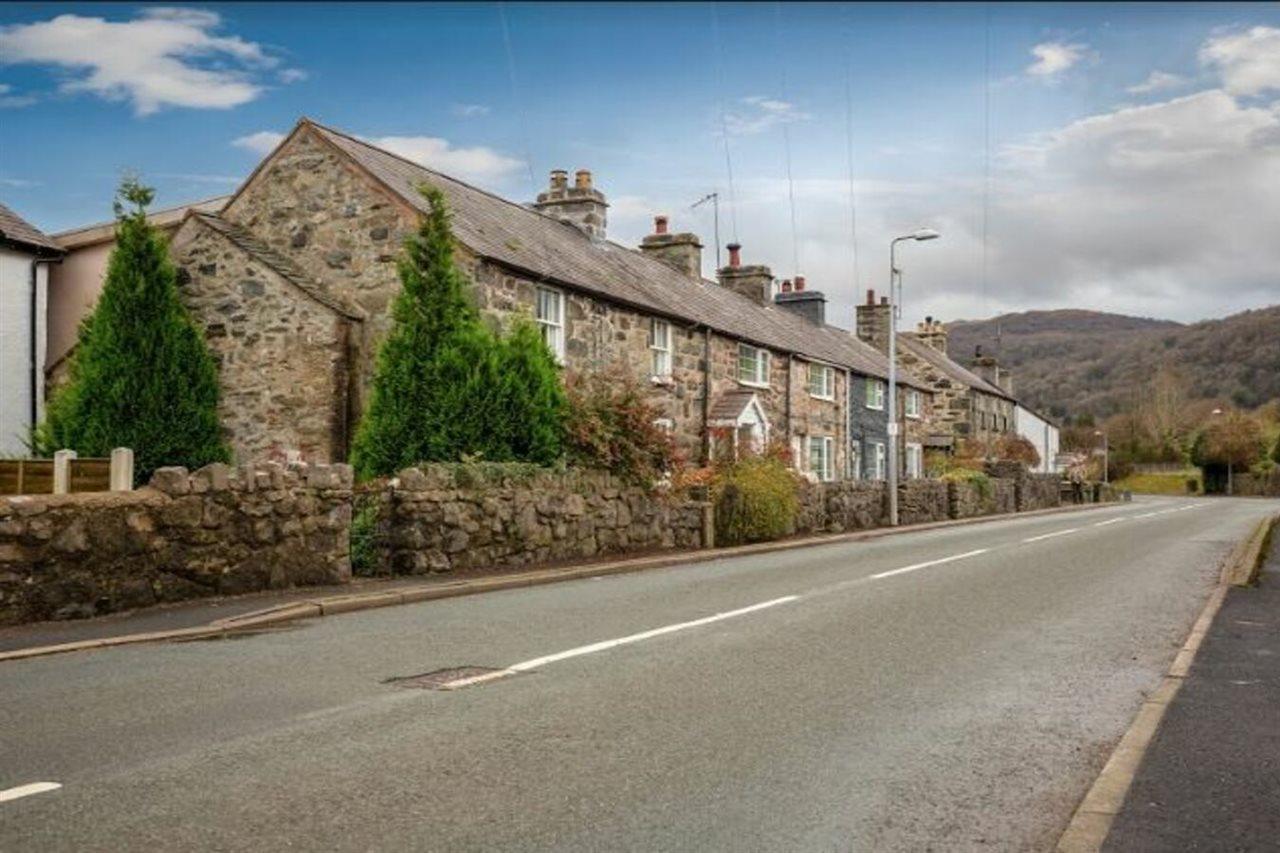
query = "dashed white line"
x=1110 y=521
x=27 y=790
x=926 y=565
x=605 y=645
x=1053 y=534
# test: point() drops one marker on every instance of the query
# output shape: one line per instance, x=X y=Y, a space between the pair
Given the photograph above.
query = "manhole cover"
x=441 y=678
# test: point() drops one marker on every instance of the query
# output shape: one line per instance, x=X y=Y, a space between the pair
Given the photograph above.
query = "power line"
x=986 y=148
x=724 y=122
x=786 y=138
x=848 y=130
x=515 y=96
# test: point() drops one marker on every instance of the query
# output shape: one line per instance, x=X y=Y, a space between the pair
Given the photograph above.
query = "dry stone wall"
x=435 y=520
x=216 y=531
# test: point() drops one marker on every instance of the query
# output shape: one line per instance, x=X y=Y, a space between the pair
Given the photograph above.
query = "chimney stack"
x=988 y=368
x=933 y=333
x=811 y=305
x=754 y=282
x=681 y=251
x=872 y=321
x=581 y=205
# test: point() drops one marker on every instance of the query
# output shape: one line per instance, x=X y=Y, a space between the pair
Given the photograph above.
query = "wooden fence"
x=66 y=473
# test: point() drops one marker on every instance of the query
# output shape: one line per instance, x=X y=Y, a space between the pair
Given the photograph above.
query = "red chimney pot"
x=871 y=296
x=659 y=225
x=735 y=256
x=786 y=285
x=799 y=283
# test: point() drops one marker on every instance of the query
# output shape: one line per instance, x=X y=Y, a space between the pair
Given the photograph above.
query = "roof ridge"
x=59 y=235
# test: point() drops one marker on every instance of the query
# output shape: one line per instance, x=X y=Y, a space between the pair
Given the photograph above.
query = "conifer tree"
x=141 y=376
x=446 y=387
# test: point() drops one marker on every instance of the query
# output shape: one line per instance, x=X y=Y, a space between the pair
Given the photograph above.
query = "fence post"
x=62 y=471
x=121 y=470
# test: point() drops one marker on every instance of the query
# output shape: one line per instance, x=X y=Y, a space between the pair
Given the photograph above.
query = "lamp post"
x=1106 y=456
x=895 y=281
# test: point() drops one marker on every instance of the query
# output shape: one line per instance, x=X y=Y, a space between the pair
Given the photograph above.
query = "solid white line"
x=1110 y=521
x=1051 y=535
x=605 y=645
x=938 y=562
x=27 y=790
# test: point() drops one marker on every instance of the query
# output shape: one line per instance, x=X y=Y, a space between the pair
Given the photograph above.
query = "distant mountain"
x=1075 y=362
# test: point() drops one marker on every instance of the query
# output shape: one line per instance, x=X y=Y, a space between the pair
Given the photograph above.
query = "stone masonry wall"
x=841 y=506
x=921 y=501
x=431 y=520
x=216 y=531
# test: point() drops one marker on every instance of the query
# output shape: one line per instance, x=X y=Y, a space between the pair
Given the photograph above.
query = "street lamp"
x=895 y=282
x=1106 y=456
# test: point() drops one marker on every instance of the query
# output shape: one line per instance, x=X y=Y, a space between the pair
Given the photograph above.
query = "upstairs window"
x=822 y=382
x=660 y=347
x=549 y=312
x=875 y=394
x=911 y=403
x=753 y=365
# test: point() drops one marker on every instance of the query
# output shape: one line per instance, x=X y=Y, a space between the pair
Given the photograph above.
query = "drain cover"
x=437 y=679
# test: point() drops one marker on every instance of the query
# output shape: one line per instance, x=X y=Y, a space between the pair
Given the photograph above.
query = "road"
x=952 y=689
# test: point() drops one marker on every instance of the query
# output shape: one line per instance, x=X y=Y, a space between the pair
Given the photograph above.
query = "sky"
x=1111 y=157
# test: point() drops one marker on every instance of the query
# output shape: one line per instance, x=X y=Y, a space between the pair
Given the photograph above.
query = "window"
x=821 y=457
x=879 y=466
x=665 y=425
x=550 y=316
x=660 y=347
x=915 y=461
x=875 y=394
x=855 y=460
x=753 y=365
x=911 y=403
x=822 y=382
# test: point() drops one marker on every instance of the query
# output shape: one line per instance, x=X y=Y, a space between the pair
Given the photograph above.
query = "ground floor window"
x=879 y=461
x=855 y=460
x=915 y=461
x=821 y=456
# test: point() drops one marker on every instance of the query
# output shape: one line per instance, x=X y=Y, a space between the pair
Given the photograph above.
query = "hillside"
x=1075 y=362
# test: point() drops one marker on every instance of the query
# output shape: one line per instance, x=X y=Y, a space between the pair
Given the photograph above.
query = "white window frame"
x=911 y=403
x=552 y=328
x=666 y=425
x=760 y=376
x=879 y=460
x=854 y=462
x=826 y=446
x=827 y=390
x=659 y=348
x=875 y=400
x=915 y=460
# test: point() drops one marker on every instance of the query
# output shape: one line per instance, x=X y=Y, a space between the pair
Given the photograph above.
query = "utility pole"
x=714 y=198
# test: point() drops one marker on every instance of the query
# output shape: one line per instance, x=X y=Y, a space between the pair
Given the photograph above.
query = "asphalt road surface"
x=952 y=689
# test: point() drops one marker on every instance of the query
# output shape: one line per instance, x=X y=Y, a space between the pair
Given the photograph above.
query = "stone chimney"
x=681 y=251
x=582 y=204
x=873 y=321
x=933 y=333
x=809 y=304
x=989 y=368
x=754 y=282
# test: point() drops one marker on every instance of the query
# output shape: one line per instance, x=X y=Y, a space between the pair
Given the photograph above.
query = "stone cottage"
x=966 y=403
x=293 y=278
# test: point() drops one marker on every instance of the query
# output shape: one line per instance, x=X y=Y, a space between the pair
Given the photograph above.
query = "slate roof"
x=950 y=367
x=559 y=253
x=101 y=232
x=15 y=229
x=278 y=263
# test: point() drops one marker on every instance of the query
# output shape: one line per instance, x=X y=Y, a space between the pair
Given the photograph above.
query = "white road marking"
x=937 y=562
x=1053 y=534
x=605 y=645
x=1146 y=515
x=27 y=790
x=1110 y=521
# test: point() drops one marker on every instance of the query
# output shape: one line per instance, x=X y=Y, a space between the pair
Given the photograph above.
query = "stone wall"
x=920 y=501
x=216 y=531
x=842 y=506
x=438 y=520
x=1257 y=485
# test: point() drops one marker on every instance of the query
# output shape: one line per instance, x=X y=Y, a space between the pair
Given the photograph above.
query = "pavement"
x=1210 y=779
x=956 y=688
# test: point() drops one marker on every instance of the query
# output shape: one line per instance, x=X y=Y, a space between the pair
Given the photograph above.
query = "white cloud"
x=1055 y=57
x=261 y=143
x=163 y=57
x=291 y=75
x=758 y=114
x=470 y=110
x=1157 y=81
x=483 y=165
x=18 y=183
x=8 y=100
x=1248 y=61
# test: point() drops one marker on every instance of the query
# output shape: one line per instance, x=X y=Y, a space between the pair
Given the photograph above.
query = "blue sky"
x=1134 y=149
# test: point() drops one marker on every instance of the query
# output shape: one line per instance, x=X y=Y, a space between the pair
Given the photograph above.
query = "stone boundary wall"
x=216 y=531
x=1257 y=485
x=429 y=521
